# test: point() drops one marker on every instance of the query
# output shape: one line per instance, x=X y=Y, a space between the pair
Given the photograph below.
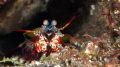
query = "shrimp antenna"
x=74 y=17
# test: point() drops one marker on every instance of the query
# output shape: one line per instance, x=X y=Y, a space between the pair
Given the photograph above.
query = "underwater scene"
x=59 y=33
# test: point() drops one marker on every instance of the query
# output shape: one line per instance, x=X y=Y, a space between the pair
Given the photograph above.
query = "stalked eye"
x=54 y=22
x=45 y=22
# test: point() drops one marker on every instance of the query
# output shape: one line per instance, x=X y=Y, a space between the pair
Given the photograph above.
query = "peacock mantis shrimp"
x=44 y=40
